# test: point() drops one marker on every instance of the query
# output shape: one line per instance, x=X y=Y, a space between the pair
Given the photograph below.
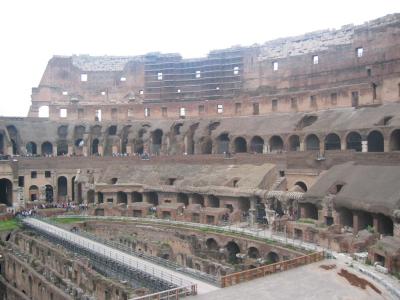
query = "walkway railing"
x=239 y=277
x=175 y=293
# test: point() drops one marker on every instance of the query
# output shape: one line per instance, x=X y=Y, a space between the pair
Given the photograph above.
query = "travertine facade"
x=300 y=132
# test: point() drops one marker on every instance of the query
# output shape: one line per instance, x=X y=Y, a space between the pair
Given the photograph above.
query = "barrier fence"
x=239 y=277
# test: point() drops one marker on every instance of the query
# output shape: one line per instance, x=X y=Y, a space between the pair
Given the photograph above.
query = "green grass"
x=307 y=221
x=67 y=220
x=9 y=225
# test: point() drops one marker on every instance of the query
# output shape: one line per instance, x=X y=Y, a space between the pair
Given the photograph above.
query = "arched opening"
x=156 y=141
x=33 y=193
x=112 y=130
x=183 y=198
x=385 y=224
x=244 y=204
x=212 y=245
x=294 y=143
x=62 y=148
x=31 y=148
x=100 y=197
x=73 y=188
x=213 y=201
x=223 y=143
x=309 y=211
x=79 y=143
x=6 y=196
x=14 y=147
x=302 y=185
x=62 y=188
x=122 y=198
x=137 y=197
x=353 y=141
x=395 y=140
x=240 y=145
x=346 y=217
x=79 y=192
x=90 y=196
x=95 y=147
x=332 y=142
x=166 y=251
x=257 y=144
x=43 y=111
x=312 y=142
x=253 y=253
x=62 y=131
x=232 y=249
x=375 y=141
x=272 y=257
x=152 y=198
x=275 y=144
x=198 y=199
x=47 y=148
x=206 y=146
x=49 y=193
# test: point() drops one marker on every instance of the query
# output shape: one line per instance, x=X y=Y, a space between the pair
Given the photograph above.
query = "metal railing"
x=247 y=275
x=117 y=256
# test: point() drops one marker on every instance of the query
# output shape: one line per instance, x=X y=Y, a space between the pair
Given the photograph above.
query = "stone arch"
x=137 y=197
x=182 y=198
x=62 y=188
x=253 y=253
x=312 y=142
x=95 y=147
x=309 y=211
x=212 y=245
x=302 y=185
x=152 y=198
x=206 y=146
x=122 y=198
x=240 y=145
x=275 y=143
x=43 y=111
x=232 y=249
x=272 y=257
x=375 y=141
x=166 y=252
x=78 y=146
x=31 y=148
x=112 y=130
x=156 y=141
x=223 y=143
x=353 y=141
x=90 y=196
x=47 y=148
x=294 y=143
x=257 y=144
x=62 y=148
x=62 y=131
x=49 y=193
x=198 y=199
x=33 y=193
x=213 y=201
x=395 y=140
x=332 y=142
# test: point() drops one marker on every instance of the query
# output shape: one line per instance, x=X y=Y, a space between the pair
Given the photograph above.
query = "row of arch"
x=332 y=141
x=312 y=142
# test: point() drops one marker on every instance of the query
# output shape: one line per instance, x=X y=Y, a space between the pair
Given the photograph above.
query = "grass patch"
x=67 y=220
x=9 y=224
x=307 y=221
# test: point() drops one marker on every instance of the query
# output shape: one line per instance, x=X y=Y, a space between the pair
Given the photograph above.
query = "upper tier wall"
x=352 y=66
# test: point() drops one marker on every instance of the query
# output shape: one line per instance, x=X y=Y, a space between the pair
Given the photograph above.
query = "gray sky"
x=32 y=31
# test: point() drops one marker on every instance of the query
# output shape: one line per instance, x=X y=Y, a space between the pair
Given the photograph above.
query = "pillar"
x=364 y=146
x=128 y=199
x=375 y=223
x=101 y=150
x=55 y=150
x=386 y=145
x=321 y=145
x=302 y=146
x=356 y=223
x=343 y=144
x=85 y=151
x=129 y=149
x=252 y=210
x=70 y=149
x=114 y=149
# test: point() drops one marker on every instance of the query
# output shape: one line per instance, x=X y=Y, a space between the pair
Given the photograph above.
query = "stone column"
x=55 y=150
x=70 y=149
x=356 y=225
x=252 y=210
x=386 y=145
x=364 y=146
x=101 y=150
x=302 y=146
x=321 y=146
x=343 y=144
x=128 y=198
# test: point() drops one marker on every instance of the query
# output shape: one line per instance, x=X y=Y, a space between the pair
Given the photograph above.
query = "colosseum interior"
x=223 y=169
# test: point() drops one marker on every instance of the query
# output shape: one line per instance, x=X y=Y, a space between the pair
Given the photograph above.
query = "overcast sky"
x=32 y=31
